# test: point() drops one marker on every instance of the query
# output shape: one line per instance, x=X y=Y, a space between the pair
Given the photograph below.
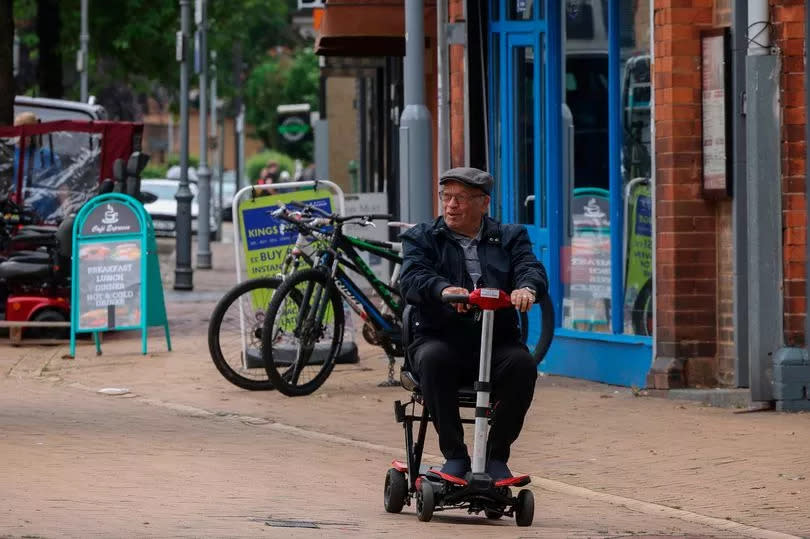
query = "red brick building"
x=648 y=100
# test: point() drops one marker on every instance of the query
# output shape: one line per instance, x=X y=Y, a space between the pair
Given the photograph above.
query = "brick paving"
x=747 y=468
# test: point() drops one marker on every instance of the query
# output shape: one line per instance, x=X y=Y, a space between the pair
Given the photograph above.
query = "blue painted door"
x=523 y=193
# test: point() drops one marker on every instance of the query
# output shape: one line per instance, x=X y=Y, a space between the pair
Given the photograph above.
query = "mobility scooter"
x=35 y=263
x=432 y=489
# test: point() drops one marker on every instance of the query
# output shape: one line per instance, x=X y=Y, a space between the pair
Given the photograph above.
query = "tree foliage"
x=282 y=79
x=132 y=42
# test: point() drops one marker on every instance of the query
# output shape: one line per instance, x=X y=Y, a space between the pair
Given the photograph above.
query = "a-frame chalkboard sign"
x=116 y=281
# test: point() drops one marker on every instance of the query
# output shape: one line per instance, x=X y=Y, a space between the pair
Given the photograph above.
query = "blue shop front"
x=568 y=114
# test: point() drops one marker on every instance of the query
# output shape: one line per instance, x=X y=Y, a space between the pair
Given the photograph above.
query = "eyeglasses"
x=460 y=198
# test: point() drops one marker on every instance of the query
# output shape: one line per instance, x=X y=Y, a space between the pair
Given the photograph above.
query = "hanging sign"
x=116 y=282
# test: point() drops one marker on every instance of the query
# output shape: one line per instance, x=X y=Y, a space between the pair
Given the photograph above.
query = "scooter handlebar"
x=488 y=299
x=455 y=298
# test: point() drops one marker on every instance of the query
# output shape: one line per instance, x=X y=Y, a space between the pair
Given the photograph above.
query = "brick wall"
x=788 y=34
x=726 y=354
x=686 y=224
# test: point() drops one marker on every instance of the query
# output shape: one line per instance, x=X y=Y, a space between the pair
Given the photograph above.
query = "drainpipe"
x=764 y=204
x=415 y=155
x=742 y=324
x=807 y=160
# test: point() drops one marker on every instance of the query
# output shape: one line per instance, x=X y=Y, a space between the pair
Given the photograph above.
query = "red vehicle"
x=47 y=171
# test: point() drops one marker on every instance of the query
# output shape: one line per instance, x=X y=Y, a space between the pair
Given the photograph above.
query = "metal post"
x=361 y=167
x=742 y=323
x=84 y=39
x=415 y=155
x=442 y=87
x=237 y=101
x=15 y=55
x=216 y=142
x=764 y=199
x=240 y=147
x=183 y=273
x=203 y=172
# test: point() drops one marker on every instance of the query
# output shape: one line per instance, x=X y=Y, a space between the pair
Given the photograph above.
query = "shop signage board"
x=265 y=240
x=116 y=283
x=265 y=243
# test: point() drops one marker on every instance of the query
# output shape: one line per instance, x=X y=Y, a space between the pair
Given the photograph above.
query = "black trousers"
x=445 y=364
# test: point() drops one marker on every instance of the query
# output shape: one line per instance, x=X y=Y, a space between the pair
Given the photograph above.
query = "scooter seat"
x=466 y=394
x=13 y=270
x=31 y=257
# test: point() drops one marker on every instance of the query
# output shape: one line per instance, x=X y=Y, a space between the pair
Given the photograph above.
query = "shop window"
x=523 y=10
x=586 y=262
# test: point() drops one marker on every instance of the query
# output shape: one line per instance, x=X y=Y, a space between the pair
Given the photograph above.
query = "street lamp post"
x=203 y=172
x=183 y=273
x=215 y=140
x=84 y=38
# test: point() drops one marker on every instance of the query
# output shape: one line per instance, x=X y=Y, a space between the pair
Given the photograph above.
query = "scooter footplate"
x=519 y=481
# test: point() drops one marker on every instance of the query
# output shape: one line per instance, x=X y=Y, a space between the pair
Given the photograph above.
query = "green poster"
x=639 y=248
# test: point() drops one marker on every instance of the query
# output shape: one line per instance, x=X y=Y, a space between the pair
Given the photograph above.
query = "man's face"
x=463 y=206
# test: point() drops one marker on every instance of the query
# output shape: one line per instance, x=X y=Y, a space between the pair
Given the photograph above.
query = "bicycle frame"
x=343 y=252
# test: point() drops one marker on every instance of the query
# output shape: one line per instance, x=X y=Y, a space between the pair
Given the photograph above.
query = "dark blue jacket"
x=433 y=260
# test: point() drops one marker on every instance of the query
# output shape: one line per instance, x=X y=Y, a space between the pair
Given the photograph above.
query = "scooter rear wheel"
x=425 y=501
x=396 y=490
x=524 y=510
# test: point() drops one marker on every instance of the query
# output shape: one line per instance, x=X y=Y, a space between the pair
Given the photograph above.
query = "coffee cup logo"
x=110 y=216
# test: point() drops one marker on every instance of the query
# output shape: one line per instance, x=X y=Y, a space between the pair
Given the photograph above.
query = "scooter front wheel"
x=396 y=490
x=425 y=501
x=524 y=510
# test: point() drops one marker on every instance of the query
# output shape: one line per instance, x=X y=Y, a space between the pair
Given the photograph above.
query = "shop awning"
x=362 y=28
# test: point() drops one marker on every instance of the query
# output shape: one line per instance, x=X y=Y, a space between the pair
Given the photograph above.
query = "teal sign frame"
x=111 y=234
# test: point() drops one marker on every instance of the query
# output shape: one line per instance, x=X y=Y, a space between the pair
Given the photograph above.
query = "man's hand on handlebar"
x=454 y=290
x=522 y=299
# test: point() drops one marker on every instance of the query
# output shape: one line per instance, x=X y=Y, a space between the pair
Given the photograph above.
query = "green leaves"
x=279 y=80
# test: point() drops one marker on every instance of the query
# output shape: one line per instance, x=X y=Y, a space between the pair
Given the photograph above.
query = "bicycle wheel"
x=303 y=331
x=547 y=329
x=235 y=341
x=642 y=315
x=523 y=320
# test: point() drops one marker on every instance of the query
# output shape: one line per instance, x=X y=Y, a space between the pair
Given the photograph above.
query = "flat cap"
x=470 y=176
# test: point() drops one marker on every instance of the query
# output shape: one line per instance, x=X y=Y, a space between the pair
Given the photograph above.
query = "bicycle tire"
x=286 y=381
x=223 y=316
x=524 y=326
x=546 y=331
x=642 y=310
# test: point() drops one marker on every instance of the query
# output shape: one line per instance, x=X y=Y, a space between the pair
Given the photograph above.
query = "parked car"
x=50 y=110
x=164 y=209
x=228 y=188
x=228 y=191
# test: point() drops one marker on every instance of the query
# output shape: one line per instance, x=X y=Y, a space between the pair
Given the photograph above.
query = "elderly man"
x=462 y=250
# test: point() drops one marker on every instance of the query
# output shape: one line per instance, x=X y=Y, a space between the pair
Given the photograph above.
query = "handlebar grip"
x=455 y=298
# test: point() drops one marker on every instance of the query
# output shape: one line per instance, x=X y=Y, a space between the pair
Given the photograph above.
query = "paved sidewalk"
x=597 y=441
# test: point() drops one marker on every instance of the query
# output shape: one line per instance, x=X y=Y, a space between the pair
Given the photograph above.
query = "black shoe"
x=456 y=467
x=497 y=470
